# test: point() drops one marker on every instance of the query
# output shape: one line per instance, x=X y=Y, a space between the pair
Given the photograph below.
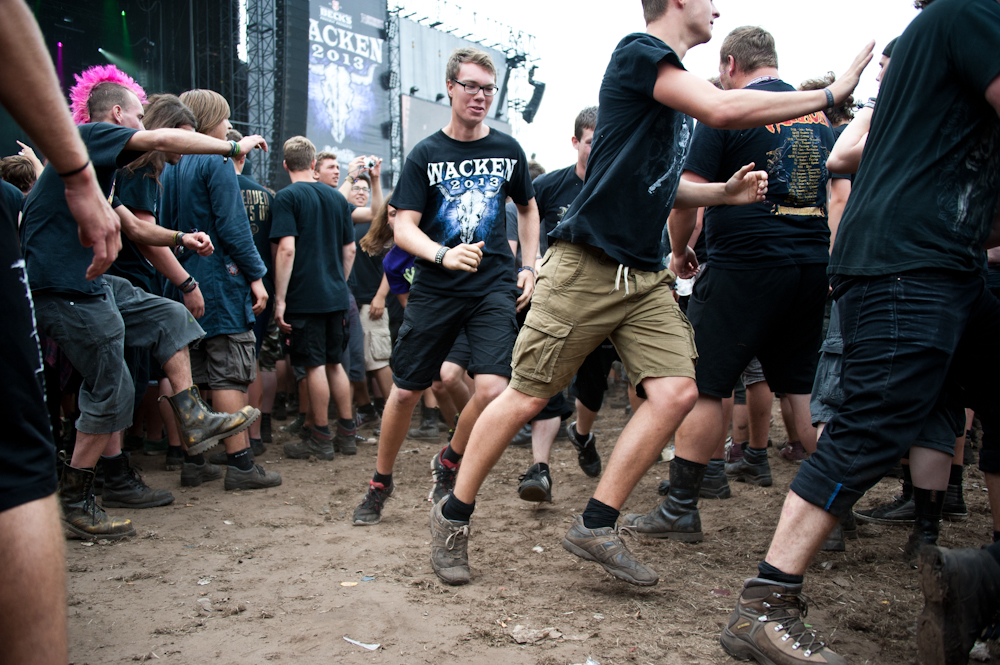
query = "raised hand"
x=848 y=81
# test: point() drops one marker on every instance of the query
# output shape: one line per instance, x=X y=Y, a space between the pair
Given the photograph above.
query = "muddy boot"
x=265 y=428
x=715 y=484
x=345 y=440
x=768 y=626
x=449 y=547
x=899 y=511
x=927 y=506
x=677 y=517
x=315 y=445
x=124 y=488
x=428 y=430
x=200 y=427
x=962 y=596
x=82 y=517
x=751 y=468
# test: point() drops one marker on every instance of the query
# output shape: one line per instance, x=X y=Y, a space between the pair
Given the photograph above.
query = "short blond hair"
x=462 y=56
x=299 y=153
x=209 y=108
x=326 y=154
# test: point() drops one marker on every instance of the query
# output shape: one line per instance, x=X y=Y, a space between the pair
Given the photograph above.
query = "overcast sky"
x=575 y=40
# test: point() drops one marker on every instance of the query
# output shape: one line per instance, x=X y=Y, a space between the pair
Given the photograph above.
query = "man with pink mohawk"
x=91 y=318
x=79 y=95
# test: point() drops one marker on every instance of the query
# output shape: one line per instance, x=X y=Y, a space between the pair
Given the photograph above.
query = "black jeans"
x=918 y=348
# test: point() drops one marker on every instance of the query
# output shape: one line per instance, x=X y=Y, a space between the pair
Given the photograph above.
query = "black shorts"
x=556 y=407
x=317 y=339
x=27 y=454
x=460 y=354
x=591 y=380
x=432 y=324
x=775 y=314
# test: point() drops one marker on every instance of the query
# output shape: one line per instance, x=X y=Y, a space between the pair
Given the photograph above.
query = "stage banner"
x=348 y=52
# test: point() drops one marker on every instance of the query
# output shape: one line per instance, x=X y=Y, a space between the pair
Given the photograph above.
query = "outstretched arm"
x=183 y=142
x=746 y=186
x=745 y=109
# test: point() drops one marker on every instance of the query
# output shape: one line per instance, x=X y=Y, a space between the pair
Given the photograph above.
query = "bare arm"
x=840 y=191
x=26 y=151
x=746 y=186
x=745 y=109
x=348 y=252
x=680 y=226
x=846 y=154
x=183 y=142
x=411 y=239
x=283 y=261
x=527 y=235
x=29 y=90
x=149 y=233
x=164 y=261
x=377 y=306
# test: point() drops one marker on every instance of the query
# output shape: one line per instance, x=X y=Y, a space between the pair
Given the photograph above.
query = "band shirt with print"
x=460 y=188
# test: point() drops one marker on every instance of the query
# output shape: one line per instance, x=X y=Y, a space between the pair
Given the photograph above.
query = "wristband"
x=178 y=238
x=439 y=257
x=186 y=283
x=523 y=268
x=870 y=104
x=234 y=148
x=829 y=98
x=74 y=171
x=191 y=287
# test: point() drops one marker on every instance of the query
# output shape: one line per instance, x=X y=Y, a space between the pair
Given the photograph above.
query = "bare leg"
x=488 y=388
x=361 y=395
x=668 y=401
x=803 y=421
x=741 y=421
x=453 y=377
x=759 y=401
x=395 y=424
x=231 y=401
x=494 y=429
x=269 y=384
x=930 y=469
x=32 y=561
x=584 y=419
x=88 y=449
x=255 y=397
x=281 y=374
x=543 y=433
x=700 y=432
x=383 y=379
x=445 y=402
x=178 y=370
x=801 y=531
x=167 y=413
x=788 y=417
x=319 y=395
x=340 y=390
x=304 y=402
x=728 y=407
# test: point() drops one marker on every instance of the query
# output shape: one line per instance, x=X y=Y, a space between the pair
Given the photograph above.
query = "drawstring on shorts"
x=622 y=269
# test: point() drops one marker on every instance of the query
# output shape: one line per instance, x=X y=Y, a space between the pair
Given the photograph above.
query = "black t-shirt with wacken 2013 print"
x=460 y=187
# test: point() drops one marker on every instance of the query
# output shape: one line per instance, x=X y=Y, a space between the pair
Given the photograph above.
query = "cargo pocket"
x=242 y=358
x=381 y=344
x=540 y=345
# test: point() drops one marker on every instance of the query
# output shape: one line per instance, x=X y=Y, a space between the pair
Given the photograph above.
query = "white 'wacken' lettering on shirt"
x=438 y=172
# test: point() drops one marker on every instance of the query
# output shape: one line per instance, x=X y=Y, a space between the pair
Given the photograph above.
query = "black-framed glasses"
x=474 y=88
x=358 y=188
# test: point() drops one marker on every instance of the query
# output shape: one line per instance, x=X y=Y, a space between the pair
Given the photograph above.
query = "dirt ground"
x=281 y=575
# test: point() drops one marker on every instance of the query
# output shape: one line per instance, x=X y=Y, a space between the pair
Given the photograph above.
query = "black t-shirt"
x=56 y=260
x=790 y=226
x=635 y=162
x=366 y=276
x=136 y=190
x=926 y=192
x=317 y=215
x=12 y=201
x=554 y=193
x=258 y=202
x=460 y=188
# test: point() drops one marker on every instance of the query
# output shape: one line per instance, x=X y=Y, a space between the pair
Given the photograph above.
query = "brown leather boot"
x=200 y=427
x=82 y=517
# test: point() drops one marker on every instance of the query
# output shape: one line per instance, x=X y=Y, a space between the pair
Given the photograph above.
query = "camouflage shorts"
x=270 y=349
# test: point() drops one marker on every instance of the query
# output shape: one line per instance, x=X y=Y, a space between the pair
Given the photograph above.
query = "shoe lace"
x=789 y=614
x=452 y=538
x=445 y=475
x=375 y=498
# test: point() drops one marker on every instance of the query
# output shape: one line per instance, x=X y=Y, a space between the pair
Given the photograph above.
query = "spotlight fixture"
x=414 y=89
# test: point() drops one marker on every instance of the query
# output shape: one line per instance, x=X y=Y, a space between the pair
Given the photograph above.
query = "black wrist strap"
x=75 y=171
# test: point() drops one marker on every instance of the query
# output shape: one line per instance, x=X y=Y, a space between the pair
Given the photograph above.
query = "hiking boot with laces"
x=962 y=597
x=443 y=475
x=586 y=449
x=193 y=475
x=604 y=546
x=767 y=626
x=345 y=441
x=201 y=427
x=793 y=451
x=429 y=426
x=370 y=510
x=295 y=426
x=898 y=511
x=368 y=418
x=535 y=484
x=255 y=478
x=742 y=471
x=677 y=517
x=315 y=446
x=124 y=487
x=449 y=547
x=715 y=484
x=81 y=515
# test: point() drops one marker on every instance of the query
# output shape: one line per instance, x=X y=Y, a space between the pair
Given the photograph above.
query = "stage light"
x=414 y=89
x=439 y=97
x=123 y=12
x=536 y=98
x=59 y=44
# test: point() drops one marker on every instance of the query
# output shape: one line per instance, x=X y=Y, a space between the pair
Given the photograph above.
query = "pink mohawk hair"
x=89 y=79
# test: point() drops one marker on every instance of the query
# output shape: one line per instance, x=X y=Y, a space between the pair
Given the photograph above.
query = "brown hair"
x=18 y=171
x=379 y=233
x=835 y=114
x=367 y=178
x=654 y=9
x=587 y=119
x=751 y=48
x=326 y=154
x=461 y=56
x=105 y=96
x=299 y=153
x=535 y=169
x=209 y=107
x=162 y=111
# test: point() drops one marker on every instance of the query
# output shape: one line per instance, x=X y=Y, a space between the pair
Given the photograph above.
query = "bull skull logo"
x=339 y=95
x=470 y=210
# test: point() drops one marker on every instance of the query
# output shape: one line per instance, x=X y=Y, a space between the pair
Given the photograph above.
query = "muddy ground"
x=280 y=575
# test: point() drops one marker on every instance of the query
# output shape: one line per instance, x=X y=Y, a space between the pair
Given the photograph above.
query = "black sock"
x=454 y=510
x=994 y=549
x=383 y=480
x=449 y=455
x=242 y=460
x=367 y=408
x=754 y=456
x=688 y=463
x=324 y=430
x=347 y=425
x=599 y=515
x=956 y=474
x=194 y=459
x=768 y=572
